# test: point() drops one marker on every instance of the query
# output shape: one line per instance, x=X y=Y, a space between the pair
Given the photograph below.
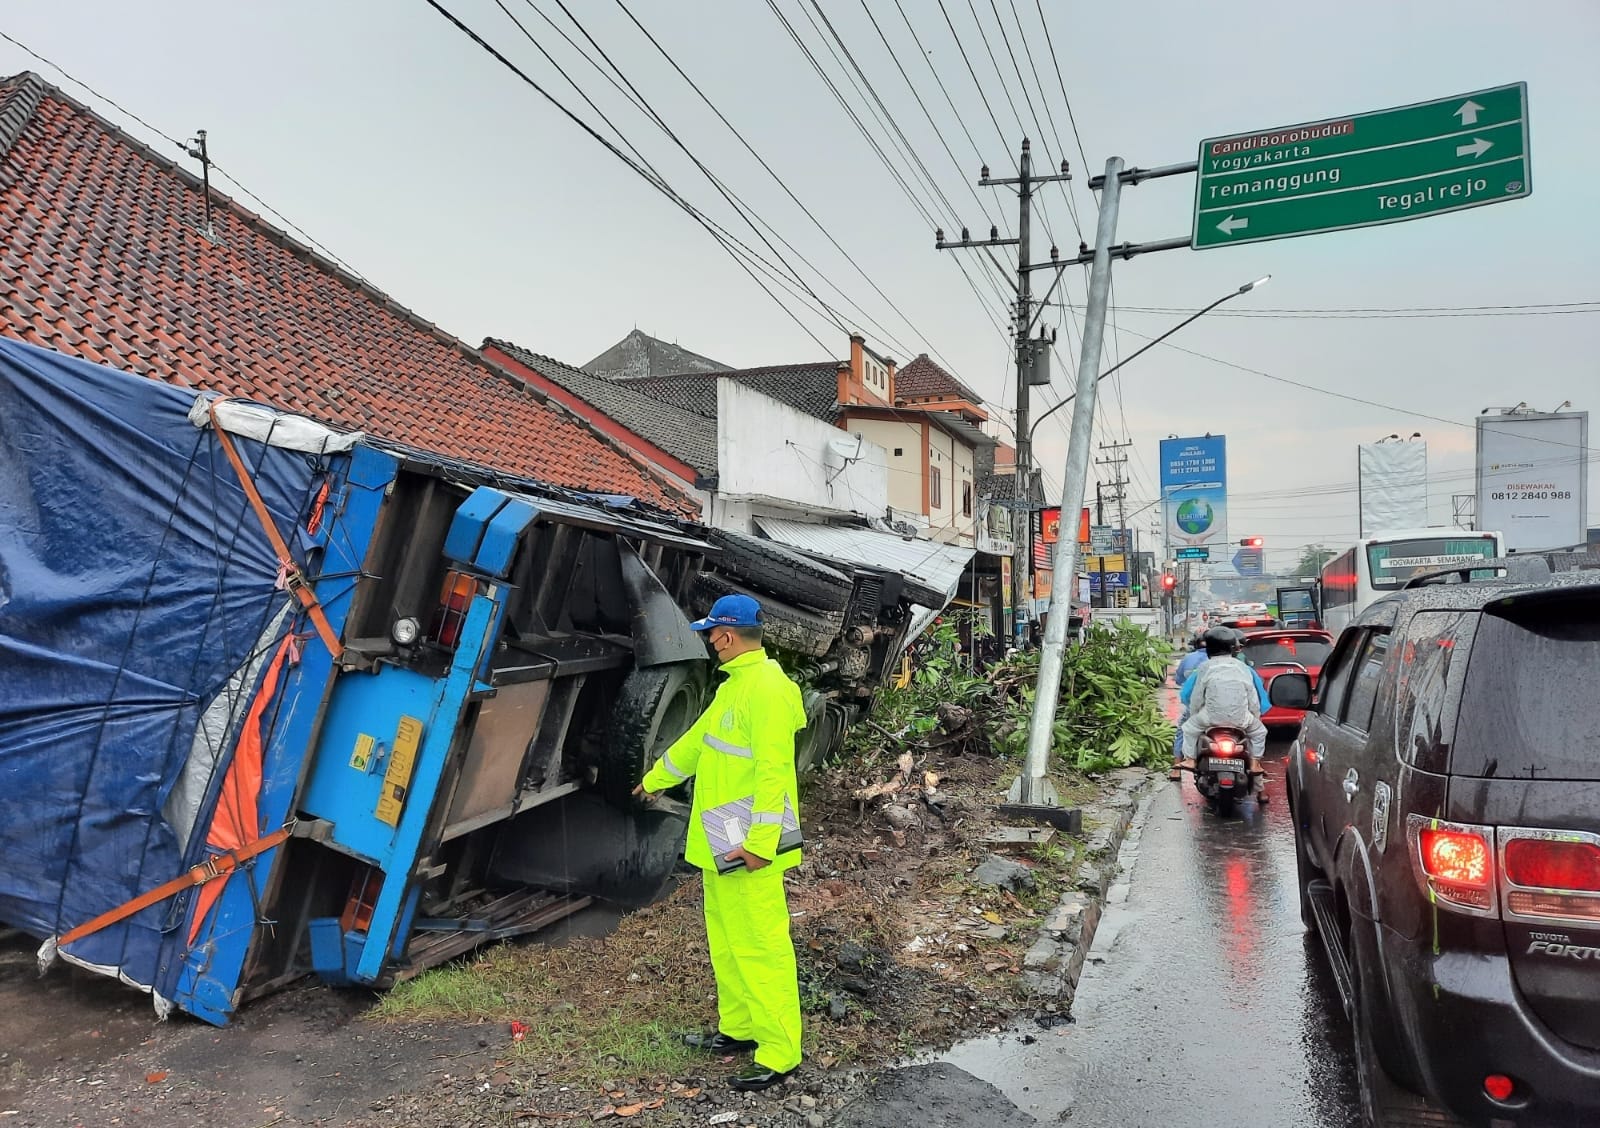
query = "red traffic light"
x=1168 y=581
x=1253 y=542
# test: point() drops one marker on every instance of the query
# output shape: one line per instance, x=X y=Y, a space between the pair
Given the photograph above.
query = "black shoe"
x=754 y=1077
x=718 y=1043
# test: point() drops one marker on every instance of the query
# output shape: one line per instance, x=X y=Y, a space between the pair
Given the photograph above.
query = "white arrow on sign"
x=1230 y=225
x=1478 y=147
x=1468 y=113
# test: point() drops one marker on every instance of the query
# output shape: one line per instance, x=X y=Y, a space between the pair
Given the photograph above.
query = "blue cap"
x=731 y=611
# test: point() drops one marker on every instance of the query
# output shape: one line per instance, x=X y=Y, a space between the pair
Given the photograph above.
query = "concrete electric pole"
x=1033 y=367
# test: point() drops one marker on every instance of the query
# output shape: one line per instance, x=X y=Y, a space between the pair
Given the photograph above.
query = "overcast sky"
x=412 y=154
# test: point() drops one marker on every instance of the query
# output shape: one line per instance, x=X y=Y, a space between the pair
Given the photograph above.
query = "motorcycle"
x=1222 y=769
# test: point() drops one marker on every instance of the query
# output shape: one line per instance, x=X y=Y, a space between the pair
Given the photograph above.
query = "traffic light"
x=1253 y=542
x=1168 y=581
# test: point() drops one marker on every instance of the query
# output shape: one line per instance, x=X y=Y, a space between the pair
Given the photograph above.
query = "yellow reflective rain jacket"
x=741 y=747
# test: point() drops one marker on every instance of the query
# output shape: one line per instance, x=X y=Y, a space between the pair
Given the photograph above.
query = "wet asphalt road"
x=1204 y=1002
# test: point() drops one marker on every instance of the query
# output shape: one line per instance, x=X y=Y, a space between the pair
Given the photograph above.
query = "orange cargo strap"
x=293 y=579
x=212 y=868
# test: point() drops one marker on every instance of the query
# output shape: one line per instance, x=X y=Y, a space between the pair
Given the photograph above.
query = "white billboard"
x=1393 y=484
x=1533 y=473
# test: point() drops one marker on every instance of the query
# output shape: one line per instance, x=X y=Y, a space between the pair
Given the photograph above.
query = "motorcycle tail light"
x=1455 y=864
x=1225 y=746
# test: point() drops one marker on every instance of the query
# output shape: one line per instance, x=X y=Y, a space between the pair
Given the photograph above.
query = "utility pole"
x=1117 y=461
x=1032 y=367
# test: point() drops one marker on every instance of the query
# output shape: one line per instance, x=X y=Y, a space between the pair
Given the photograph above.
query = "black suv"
x=1445 y=793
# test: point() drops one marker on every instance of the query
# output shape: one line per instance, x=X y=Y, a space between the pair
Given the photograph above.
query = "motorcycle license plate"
x=1216 y=764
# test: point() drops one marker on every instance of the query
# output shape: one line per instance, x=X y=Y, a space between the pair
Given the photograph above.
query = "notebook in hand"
x=726 y=826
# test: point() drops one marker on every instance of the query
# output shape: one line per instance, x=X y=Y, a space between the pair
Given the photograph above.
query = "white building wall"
x=902 y=444
x=775 y=461
x=954 y=519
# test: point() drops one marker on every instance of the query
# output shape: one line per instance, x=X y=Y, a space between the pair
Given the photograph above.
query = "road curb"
x=1054 y=962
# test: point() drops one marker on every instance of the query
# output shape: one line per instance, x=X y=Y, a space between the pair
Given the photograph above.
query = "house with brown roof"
x=741 y=446
x=930 y=430
x=106 y=254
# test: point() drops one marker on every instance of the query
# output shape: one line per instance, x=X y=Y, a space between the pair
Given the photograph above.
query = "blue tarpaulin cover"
x=135 y=580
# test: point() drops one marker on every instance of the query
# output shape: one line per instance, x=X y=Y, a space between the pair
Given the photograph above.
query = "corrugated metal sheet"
x=937 y=565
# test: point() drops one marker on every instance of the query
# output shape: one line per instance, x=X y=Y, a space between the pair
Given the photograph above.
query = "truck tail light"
x=454 y=599
x=1454 y=863
x=1550 y=877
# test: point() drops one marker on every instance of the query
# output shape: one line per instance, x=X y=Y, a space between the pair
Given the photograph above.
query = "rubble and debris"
x=1004 y=873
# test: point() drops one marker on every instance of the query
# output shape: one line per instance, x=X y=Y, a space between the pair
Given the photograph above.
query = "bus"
x=1377 y=565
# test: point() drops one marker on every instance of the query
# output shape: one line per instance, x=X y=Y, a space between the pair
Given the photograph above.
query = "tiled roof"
x=682 y=434
x=102 y=257
x=812 y=388
x=1004 y=485
x=923 y=379
x=639 y=354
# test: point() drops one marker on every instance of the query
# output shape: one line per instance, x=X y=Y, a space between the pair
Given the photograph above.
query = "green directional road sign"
x=1365 y=169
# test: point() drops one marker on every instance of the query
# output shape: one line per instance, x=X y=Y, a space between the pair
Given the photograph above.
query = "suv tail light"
x=1454 y=864
x=1550 y=875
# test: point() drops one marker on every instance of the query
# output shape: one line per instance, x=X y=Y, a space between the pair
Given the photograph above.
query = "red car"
x=1274 y=652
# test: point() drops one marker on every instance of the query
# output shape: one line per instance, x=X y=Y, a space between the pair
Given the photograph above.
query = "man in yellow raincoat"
x=746 y=805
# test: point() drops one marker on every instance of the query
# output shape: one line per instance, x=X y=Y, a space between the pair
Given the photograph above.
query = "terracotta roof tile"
x=683 y=434
x=101 y=256
x=923 y=379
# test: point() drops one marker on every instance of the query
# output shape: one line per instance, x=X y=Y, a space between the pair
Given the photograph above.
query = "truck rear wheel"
x=654 y=707
x=820 y=738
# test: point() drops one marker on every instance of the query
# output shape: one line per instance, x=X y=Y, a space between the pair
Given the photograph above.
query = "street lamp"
x=1147 y=346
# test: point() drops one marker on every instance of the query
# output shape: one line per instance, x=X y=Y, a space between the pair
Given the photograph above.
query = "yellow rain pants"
x=758 y=989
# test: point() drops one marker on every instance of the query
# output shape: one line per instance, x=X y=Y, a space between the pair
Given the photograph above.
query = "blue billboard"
x=1194 y=490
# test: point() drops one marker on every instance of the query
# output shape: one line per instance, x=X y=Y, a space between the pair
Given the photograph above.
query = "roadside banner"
x=1533 y=477
x=1194 y=490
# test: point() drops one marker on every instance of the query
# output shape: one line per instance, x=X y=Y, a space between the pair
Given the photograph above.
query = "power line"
x=872 y=143
x=995 y=62
x=784 y=275
x=733 y=201
x=1338 y=395
x=655 y=182
x=895 y=58
x=965 y=59
x=1056 y=62
x=784 y=185
x=1055 y=134
x=886 y=120
x=934 y=71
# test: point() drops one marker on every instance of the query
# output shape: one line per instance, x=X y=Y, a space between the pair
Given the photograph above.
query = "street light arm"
x=1147 y=346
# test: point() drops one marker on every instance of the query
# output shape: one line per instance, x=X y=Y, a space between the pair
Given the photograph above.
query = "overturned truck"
x=277 y=700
